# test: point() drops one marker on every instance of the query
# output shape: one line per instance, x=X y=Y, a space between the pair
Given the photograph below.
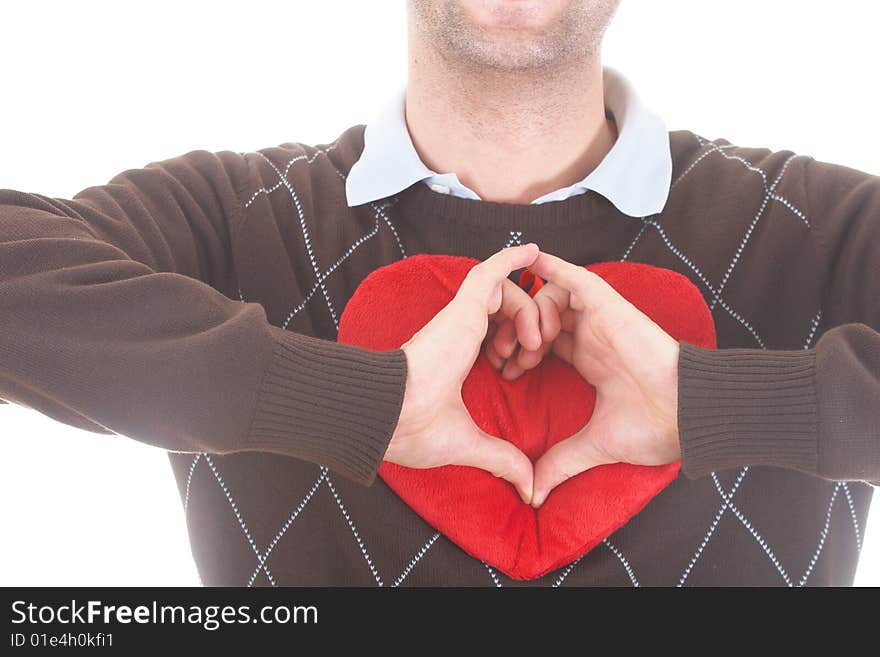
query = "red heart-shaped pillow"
x=478 y=511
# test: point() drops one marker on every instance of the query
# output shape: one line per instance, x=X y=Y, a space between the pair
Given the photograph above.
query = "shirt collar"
x=634 y=175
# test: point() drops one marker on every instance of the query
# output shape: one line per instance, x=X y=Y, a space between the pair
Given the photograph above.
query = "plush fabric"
x=479 y=512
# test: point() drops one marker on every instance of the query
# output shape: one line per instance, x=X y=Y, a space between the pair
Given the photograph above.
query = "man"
x=119 y=318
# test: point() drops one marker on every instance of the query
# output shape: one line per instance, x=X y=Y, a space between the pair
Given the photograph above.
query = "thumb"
x=502 y=459
x=564 y=460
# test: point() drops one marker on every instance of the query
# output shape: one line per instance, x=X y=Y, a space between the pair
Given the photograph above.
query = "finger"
x=461 y=326
x=527 y=359
x=588 y=288
x=512 y=370
x=480 y=285
x=563 y=346
x=503 y=460
x=527 y=319
x=569 y=320
x=551 y=301
x=505 y=338
x=564 y=460
x=492 y=356
x=518 y=306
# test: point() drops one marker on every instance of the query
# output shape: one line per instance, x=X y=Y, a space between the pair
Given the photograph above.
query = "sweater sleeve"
x=815 y=410
x=111 y=320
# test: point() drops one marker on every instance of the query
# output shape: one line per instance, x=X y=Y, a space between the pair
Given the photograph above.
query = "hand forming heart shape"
x=536 y=412
x=631 y=360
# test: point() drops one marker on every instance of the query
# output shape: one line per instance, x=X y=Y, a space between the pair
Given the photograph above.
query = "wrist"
x=410 y=409
x=670 y=395
x=673 y=386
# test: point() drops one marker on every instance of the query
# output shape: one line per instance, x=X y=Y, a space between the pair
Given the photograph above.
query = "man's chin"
x=513 y=35
x=524 y=16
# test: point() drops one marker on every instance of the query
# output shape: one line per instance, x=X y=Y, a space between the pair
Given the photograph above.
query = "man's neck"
x=511 y=137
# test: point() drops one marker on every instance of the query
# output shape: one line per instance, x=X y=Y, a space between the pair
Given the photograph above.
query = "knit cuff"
x=743 y=406
x=329 y=403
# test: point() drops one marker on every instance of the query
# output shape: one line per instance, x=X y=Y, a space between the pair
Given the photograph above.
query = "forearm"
x=171 y=362
x=109 y=323
x=814 y=410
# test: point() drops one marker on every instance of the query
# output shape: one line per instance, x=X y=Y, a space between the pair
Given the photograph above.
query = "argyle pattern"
x=212 y=490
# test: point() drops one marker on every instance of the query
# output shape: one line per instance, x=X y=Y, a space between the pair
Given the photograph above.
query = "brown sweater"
x=193 y=305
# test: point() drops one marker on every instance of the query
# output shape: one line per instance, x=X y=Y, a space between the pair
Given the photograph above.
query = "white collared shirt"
x=634 y=175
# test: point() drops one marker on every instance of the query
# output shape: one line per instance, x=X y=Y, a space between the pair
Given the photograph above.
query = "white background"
x=90 y=89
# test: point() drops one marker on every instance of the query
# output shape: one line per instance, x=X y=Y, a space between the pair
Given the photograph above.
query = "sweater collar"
x=634 y=175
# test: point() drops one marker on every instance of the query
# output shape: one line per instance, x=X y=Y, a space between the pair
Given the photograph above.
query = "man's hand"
x=632 y=362
x=435 y=427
